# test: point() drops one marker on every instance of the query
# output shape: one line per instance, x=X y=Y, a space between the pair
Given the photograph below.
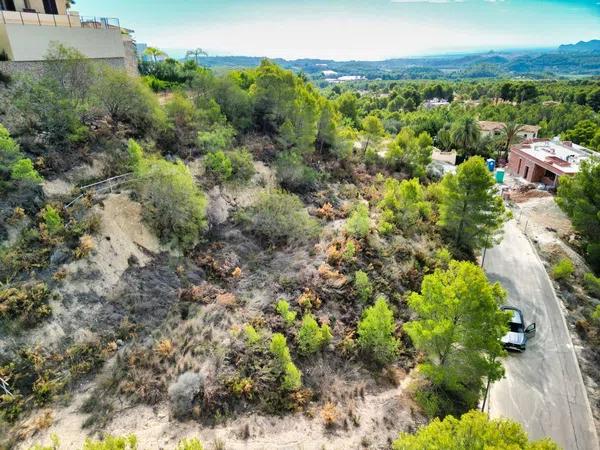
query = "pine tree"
x=376 y=333
x=471 y=212
x=459 y=327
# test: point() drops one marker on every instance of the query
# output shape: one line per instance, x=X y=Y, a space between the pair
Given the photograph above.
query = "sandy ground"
x=381 y=415
x=122 y=235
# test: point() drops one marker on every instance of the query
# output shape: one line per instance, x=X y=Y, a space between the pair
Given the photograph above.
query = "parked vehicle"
x=518 y=334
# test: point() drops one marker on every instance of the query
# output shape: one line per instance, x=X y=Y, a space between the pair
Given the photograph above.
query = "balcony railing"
x=72 y=20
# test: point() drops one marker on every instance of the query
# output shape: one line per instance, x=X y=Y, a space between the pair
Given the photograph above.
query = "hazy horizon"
x=352 y=29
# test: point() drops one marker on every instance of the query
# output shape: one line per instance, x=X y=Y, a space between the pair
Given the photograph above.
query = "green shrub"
x=292 y=377
x=52 y=220
x=283 y=308
x=13 y=162
x=218 y=166
x=112 y=443
x=311 y=337
x=474 y=430
x=172 y=203
x=349 y=252
x=279 y=218
x=182 y=122
x=23 y=170
x=376 y=333
x=596 y=314
x=293 y=174
x=125 y=98
x=252 y=336
x=27 y=304
x=403 y=203
x=242 y=165
x=189 y=444
x=358 y=224
x=563 y=269
x=219 y=138
x=363 y=286
x=11 y=407
x=592 y=284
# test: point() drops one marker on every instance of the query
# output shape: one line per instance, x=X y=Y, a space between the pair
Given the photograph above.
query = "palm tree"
x=510 y=136
x=466 y=133
x=444 y=139
x=155 y=53
x=196 y=53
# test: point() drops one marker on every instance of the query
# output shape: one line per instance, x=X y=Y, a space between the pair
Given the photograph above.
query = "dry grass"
x=35 y=424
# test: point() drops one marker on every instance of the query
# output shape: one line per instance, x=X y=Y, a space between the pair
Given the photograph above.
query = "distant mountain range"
x=581 y=46
x=581 y=59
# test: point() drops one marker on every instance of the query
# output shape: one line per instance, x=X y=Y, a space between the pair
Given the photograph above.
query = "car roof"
x=517 y=316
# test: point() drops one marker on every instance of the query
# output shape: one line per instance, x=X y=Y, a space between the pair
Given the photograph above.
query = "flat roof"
x=563 y=156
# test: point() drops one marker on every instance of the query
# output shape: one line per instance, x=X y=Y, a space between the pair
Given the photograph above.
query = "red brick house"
x=544 y=161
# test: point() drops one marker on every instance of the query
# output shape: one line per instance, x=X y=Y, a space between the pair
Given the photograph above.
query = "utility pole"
x=483 y=256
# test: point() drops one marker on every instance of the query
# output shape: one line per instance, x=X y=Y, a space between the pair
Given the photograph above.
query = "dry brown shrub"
x=17 y=215
x=301 y=398
x=326 y=212
x=85 y=247
x=394 y=375
x=60 y=274
x=309 y=300
x=164 y=348
x=35 y=424
x=330 y=415
x=110 y=348
x=203 y=293
x=227 y=300
x=334 y=278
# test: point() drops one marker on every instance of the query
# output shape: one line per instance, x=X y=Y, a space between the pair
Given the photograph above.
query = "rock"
x=60 y=256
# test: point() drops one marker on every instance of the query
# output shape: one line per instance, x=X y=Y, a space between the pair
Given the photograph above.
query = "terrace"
x=70 y=19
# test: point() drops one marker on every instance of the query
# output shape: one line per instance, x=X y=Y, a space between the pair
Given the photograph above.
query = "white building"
x=29 y=27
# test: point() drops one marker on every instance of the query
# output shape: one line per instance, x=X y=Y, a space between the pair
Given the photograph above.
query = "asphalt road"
x=543 y=388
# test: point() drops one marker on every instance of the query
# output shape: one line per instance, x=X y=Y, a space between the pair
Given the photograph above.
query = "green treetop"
x=471 y=212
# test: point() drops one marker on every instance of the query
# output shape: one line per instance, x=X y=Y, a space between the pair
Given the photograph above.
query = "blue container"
x=491 y=163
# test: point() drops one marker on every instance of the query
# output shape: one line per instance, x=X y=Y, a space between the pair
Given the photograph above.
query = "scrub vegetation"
x=295 y=251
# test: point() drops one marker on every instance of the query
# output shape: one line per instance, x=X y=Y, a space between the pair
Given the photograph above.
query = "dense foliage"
x=473 y=431
x=579 y=197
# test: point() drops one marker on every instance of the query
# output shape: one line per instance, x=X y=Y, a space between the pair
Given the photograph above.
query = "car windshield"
x=515 y=327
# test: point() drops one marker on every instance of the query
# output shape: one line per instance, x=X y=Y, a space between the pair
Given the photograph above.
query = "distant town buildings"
x=435 y=103
x=28 y=28
x=345 y=78
x=544 y=161
x=489 y=128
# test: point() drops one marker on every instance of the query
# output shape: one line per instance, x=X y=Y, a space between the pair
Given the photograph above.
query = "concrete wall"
x=30 y=43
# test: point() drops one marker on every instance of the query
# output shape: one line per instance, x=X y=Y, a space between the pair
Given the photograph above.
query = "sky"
x=351 y=29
